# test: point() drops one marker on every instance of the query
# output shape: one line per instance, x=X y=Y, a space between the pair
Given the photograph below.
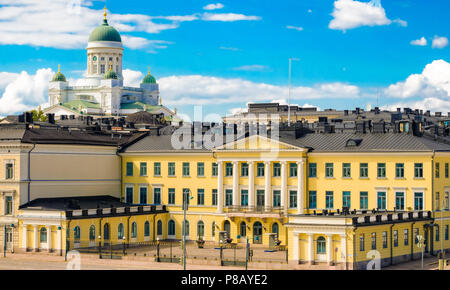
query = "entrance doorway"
x=9 y=239
x=227 y=228
x=321 y=249
x=257 y=233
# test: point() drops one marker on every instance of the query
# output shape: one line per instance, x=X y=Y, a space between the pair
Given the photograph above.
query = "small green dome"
x=59 y=77
x=111 y=75
x=105 y=33
x=149 y=79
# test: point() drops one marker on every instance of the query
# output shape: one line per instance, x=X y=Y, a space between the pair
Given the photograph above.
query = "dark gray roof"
x=161 y=143
x=73 y=203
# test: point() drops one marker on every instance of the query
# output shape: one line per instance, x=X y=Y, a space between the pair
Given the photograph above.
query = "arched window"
x=186 y=228
x=43 y=235
x=275 y=229
x=243 y=229
x=213 y=229
x=159 y=228
x=171 y=228
x=321 y=246
x=147 y=229
x=227 y=227
x=106 y=235
x=120 y=232
x=92 y=233
x=133 y=230
x=200 y=229
x=76 y=233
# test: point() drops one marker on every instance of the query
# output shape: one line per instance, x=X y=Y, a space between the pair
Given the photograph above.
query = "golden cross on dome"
x=149 y=70
x=106 y=12
x=59 y=68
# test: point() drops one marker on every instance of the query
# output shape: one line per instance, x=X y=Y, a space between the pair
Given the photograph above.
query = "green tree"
x=38 y=115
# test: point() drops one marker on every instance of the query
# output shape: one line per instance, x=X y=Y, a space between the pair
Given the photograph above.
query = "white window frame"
x=153 y=194
x=132 y=188
x=6 y=162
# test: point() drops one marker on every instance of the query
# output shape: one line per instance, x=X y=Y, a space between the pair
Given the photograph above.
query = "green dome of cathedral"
x=105 y=33
x=59 y=77
x=149 y=79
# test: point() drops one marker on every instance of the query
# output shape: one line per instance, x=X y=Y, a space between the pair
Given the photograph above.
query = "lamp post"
x=124 y=245
x=100 y=246
x=4 y=243
x=421 y=245
x=221 y=252
x=289 y=97
x=186 y=196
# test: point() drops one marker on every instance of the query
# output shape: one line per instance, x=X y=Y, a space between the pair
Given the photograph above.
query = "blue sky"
x=350 y=51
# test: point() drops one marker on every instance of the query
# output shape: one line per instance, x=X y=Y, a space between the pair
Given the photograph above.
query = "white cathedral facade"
x=101 y=91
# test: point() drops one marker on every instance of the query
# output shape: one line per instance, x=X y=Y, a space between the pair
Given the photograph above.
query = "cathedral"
x=102 y=92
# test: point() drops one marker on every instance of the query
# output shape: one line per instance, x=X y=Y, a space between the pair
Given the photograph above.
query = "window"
x=143 y=195
x=243 y=229
x=9 y=170
x=346 y=170
x=134 y=230
x=260 y=170
x=276 y=170
x=276 y=198
x=215 y=169
x=418 y=170
x=399 y=170
x=102 y=69
x=200 y=229
x=106 y=232
x=329 y=170
x=381 y=170
x=147 y=229
x=120 y=232
x=171 y=169
x=312 y=199
x=437 y=170
x=92 y=233
x=381 y=200
x=213 y=229
x=446 y=201
x=385 y=240
x=292 y=199
x=143 y=169
x=76 y=233
x=395 y=238
x=329 y=200
x=438 y=201
x=364 y=199
x=437 y=233
x=214 y=197
x=312 y=169
x=157 y=169
x=171 y=228
x=201 y=197
x=346 y=199
x=260 y=201
x=446 y=232
x=43 y=235
x=405 y=237
x=200 y=169
x=244 y=197
x=446 y=170
x=321 y=246
x=171 y=195
x=399 y=201
x=129 y=169
x=416 y=236
x=374 y=241
x=129 y=195
x=228 y=197
x=418 y=200
x=361 y=242
x=159 y=228
x=244 y=169
x=229 y=169
x=186 y=169
x=293 y=170
x=8 y=205
x=363 y=170
x=157 y=195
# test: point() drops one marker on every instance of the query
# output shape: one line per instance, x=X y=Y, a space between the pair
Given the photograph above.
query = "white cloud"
x=228 y=17
x=432 y=104
x=25 y=92
x=349 y=14
x=213 y=6
x=420 y=42
x=433 y=82
x=132 y=78
x=294 y=27
x=229 y=48
x=439 y=42
x=255 y=67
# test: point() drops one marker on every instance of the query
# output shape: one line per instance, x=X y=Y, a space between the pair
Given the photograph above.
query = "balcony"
x=255 y=211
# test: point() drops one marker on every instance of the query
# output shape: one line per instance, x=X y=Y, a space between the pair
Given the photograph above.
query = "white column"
x=220 y=197
x=58 y=239
x=36 y=238
x=268 y=188
x=329 y=249
x=49 y=238
x=284 y=204
x=236 y=184
x=295 y=250
x=311 y=248
x=343 y=249
x=251 y=184
x=24 y=237
x=300 y=188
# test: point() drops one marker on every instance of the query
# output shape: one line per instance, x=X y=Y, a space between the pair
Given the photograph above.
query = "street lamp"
x=100 y=246
x=186 y=197
x=289 y=97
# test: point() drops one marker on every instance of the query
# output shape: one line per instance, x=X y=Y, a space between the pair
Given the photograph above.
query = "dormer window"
x=353 y=142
